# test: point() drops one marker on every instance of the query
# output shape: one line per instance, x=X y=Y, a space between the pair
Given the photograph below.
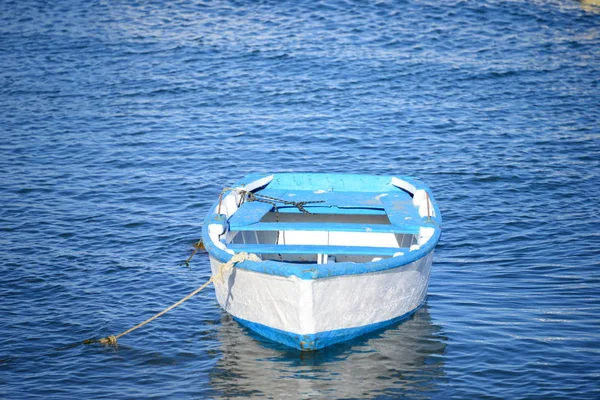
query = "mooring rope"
x=237 y=258
x=223 y=268
x=261 y=198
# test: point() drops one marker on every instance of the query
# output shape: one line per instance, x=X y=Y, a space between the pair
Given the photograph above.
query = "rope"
x=237 y=258
x=251 y=196
x=223 y=268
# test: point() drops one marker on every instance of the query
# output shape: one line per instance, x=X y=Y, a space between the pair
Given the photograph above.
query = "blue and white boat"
x=309 y=260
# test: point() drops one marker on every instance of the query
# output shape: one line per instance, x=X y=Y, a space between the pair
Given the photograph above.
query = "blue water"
x=120 y=123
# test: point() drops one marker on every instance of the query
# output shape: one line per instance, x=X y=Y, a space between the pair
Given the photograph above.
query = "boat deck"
x=397 y=206
x=347 y=219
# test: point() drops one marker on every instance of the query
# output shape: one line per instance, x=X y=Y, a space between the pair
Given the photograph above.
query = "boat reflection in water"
x=402 y=359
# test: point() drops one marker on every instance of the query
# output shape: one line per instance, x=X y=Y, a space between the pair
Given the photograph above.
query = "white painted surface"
x=423 y=201
x=399 y=183
x=310 y=306
x=338 y=238
x=424 y=235
x=271 y=300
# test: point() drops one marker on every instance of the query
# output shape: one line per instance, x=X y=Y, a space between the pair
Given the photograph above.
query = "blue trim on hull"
x=316 y=341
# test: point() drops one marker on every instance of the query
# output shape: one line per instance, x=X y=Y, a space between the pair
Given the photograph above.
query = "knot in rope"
x=110 y=340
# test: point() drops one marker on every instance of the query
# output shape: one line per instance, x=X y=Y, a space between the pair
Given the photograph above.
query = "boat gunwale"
x=318 y=271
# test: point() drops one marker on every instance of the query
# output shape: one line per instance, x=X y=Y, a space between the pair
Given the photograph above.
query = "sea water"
x=121 y=122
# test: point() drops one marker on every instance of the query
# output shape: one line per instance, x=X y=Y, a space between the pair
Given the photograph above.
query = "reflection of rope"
x=237 y=258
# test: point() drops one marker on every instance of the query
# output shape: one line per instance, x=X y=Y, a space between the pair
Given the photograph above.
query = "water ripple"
x=122 y=122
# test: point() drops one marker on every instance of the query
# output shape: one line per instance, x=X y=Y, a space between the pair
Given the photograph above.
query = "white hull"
x=315 y=307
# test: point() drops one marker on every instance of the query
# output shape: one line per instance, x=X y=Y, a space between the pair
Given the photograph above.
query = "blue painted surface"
x=332 y=194
x=326 y=194
x=401 y=211
x=248 y=214
x=120 y=123
x=319 y=340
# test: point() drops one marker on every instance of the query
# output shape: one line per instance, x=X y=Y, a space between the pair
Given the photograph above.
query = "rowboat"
x=309 y=260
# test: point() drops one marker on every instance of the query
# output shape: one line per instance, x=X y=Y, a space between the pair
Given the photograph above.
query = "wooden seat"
x=315 y=249
x=397 y=205
x=328 y=226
